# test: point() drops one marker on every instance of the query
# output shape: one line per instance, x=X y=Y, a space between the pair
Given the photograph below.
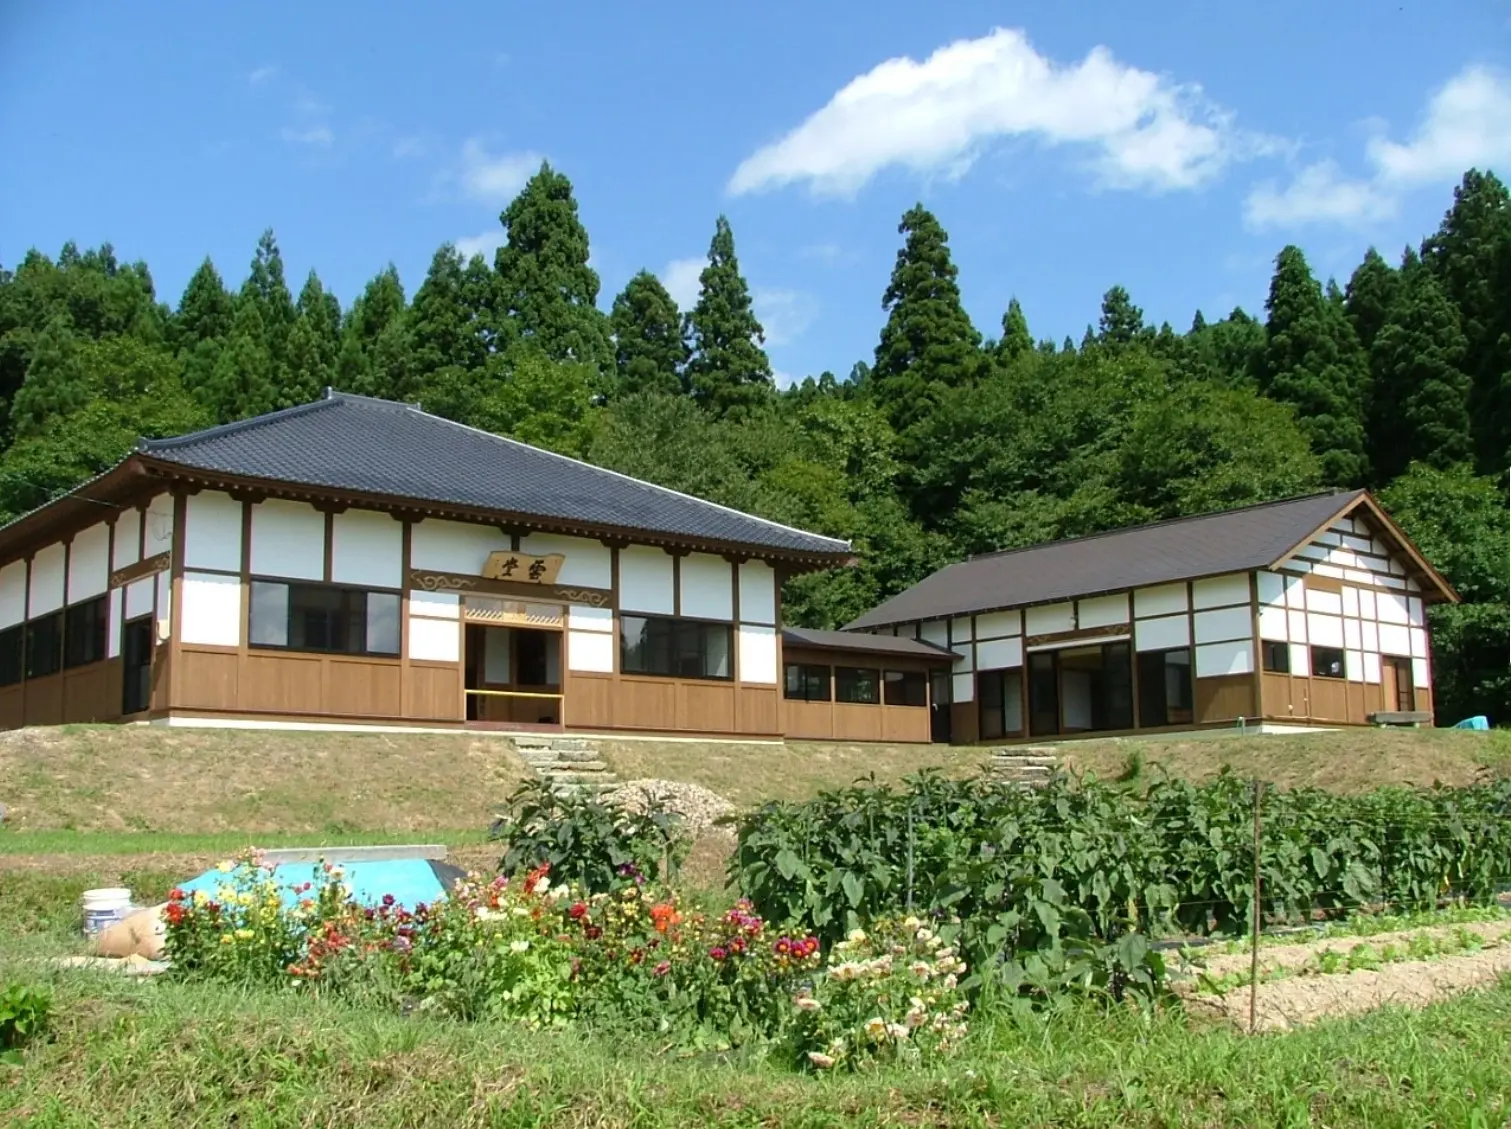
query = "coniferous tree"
x=1313 y=362
x=55 y=384
x=1471 y=256
x=377 y=361
x=1372 y=290
x=928 y=344
x=1421 y=396
x=314 y=344
x=266 y=289
x=545 y=291
x=1016 y=339
x=445 y=321
x=205 y=310
x=650 y=348
x=1121 y=323
x=245 y=381
x=728 y=370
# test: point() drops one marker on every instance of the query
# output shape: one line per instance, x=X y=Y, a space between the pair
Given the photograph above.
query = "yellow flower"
x=226 y=867
x=201 y=898
x=226 y=939
x=243 y=934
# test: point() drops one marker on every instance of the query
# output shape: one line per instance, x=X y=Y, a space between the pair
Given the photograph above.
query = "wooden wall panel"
x=809 y=721
x=857 y=723
x=904 y=723
x=1329 y=699
x=965 y=723
x=356 y=688
x=589 y=701
x=706 y=707
x=1225 y=698
x=10 y=708
x=645 y=703
x=44 y=700
x=760 y=710
x=206 y=679
x=92 y=693
x=1284 y=697
x=1424 y=699
x=162 y=682
x=280 y=683
x=434 y=692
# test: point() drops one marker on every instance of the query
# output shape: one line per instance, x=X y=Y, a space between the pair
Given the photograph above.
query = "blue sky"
x=1170 y=147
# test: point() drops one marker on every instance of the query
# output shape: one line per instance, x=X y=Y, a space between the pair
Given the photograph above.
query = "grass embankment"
x=1345 y=760
x=128 y=1054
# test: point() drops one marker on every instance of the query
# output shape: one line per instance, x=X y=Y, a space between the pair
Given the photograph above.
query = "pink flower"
x=663 y=968
x=717 y=952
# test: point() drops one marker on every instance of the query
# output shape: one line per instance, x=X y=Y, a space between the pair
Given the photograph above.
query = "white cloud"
x=936 y=116
x=1320 y=193
x=681 y=279
x=262 y=74
x=784 y=314
x=483 y=244
x=783 y=379
x=1467 y=123
x=495 y=179
x=317 y=135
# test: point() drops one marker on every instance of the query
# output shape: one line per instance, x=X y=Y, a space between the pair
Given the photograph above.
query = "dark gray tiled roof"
x=863 y=642
x=1182 y=549
x=353 y=443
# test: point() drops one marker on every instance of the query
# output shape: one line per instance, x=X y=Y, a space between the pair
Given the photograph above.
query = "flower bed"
x=526 y=950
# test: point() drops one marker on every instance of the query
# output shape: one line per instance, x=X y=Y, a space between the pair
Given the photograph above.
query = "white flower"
x=822 y=1061
x=520 y=911
x=560 y=891
x=518 y=946
x=925 y=935
x=950 y=982
x=846 y=972
x=944 y=954
x=898 y=1031
x=919 y=969
x=856 y=936
x=338 y=873
x=806 y=1003
x=542 y=886
x=911 y=922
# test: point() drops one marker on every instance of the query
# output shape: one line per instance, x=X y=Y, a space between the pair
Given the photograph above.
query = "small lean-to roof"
x=377 y=447
x=1254 y=537
x=861 y=642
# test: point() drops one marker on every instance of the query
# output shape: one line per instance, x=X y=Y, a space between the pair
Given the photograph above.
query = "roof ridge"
x=630 y=478
x=1162 y=523
x=147 y=446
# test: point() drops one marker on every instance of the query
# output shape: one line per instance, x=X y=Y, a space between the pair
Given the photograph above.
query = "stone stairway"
x=1028 y=765
x=569 y=764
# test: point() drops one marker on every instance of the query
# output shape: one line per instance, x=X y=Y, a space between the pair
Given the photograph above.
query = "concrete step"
x=559 y=767
x=564 y=777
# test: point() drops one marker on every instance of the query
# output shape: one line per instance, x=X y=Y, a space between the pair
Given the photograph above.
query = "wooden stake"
x=1254 y=912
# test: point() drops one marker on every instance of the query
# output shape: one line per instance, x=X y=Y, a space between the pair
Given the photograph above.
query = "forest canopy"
x=943 y=441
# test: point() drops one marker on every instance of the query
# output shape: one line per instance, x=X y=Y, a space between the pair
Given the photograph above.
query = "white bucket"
x=103 y=908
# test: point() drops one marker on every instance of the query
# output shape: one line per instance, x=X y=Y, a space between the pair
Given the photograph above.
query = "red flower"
x=783 y=947
x=592 y=932
x=663 y=968
x=717 y=952
x=388 y=899
x=174 y=913
x=637 y=955
x=578 y=911
x=176 y=895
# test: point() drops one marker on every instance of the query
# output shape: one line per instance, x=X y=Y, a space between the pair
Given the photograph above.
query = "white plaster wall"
x=999 y=654
x=757 y=592
x=1223 y=624
x=1272 y=623
x=935 y=631
x=1329 y=603
x=435 y=605
x=581 y=618
x=139 y=595
x=1216 y=659
x=212 y=532
x=1369 y=635
x=1297 y=621
x=998 y=625
x=1161 y=634
x=1324 y=630
x=46 y=581
x=89 y=563
x=1420 y=675
x=1371 y=668
x=1351 y=602
x=113 y=624
x=1353 y=665
x=1352 y=636
x=707 y=587
x=12 y=594
x=128 y=537
x=157 y=537
x=1221 y=591
x=1418 y=642
x=1391 y=608
x=1295 y=593
x=645 y=580
x=367 y=549
x=288 y=540
x=1271 y=587
x=757 y=654
x=960 y=629
x=1103 y=611
x=1049 y=618
x=1394 y=639
x=964 y=688
x=590 y=652
x=163 y=582
x=589 y=563
x=1164 y=599
x=453 y=546
x=212 y=609
x=1301 y=659
x=435 y=640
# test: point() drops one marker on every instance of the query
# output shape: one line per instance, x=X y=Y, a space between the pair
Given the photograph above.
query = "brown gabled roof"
x=1254 y=537
x=861 y=642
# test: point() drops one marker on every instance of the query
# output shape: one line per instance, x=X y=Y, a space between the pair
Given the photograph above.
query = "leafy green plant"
x=24 y=1015
x=586 y=842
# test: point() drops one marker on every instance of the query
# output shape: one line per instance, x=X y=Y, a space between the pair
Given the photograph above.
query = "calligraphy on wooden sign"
x=141 y=569
x=522 y=567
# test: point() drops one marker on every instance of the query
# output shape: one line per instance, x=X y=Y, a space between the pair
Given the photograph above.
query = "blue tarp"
x=410 y=881
x=1480 y=721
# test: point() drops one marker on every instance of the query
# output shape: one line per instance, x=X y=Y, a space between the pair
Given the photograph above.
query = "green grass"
x=57 y=842
x=151 y=1054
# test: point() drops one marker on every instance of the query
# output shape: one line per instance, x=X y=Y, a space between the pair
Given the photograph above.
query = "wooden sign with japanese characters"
x=522 y=567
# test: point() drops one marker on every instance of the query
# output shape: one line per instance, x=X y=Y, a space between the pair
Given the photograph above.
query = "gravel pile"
x=698 y=806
